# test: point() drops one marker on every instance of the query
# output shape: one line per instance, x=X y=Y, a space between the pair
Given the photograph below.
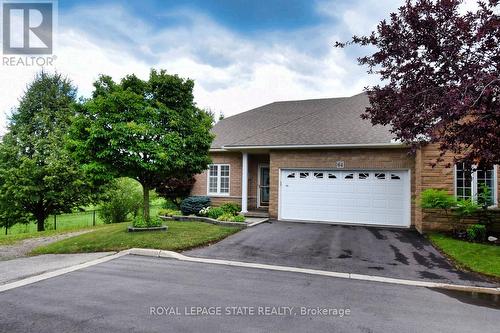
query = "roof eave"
x=324 y=146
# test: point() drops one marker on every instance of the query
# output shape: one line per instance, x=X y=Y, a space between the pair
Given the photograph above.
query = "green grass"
x=180 y=236
x=481 y=258
x=64 y=222
x=14 y=238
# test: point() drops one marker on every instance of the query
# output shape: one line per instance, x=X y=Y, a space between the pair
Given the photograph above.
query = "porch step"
x=257 y=213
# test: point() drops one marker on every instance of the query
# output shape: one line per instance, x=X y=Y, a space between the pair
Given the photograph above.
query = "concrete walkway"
x=24 y=247
x=16 y=269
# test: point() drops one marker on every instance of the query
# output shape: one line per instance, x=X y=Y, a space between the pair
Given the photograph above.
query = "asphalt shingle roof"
x=326 y=121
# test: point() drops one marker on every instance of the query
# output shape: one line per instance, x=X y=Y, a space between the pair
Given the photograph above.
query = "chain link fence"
x=68 y=221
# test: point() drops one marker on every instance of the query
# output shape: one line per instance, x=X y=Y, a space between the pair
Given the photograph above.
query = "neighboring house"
x=317 y=160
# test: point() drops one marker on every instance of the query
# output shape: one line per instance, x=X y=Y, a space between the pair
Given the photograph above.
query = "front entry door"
x=263 y=199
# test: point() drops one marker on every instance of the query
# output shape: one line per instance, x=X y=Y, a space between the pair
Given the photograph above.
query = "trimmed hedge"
x=193 y=205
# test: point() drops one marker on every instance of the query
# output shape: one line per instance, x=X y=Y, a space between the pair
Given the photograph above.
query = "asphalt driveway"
x=131 y=294
x=397 y=253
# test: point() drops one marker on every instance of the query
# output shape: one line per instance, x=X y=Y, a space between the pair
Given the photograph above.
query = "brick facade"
x=234 y=160
x=378 y=159
x=423 y=175
x=440 y=176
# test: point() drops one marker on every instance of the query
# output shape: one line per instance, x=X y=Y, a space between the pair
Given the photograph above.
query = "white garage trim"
x=308 y=195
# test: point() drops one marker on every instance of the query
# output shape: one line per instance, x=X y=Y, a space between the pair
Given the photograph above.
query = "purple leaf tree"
x=440 y=77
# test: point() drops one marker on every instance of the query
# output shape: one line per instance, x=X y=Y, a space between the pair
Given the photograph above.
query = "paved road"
x=117 y=296
x=397 y=253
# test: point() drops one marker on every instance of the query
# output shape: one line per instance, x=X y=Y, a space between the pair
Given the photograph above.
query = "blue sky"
x=241 y=54
x=244 y=16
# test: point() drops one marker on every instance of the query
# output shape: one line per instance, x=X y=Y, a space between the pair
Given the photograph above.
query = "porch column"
x=244 y=183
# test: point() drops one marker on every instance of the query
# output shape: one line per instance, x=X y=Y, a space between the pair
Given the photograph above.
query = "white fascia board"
x=347 y=145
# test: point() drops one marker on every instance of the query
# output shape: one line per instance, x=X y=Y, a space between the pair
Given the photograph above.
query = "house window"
x=380 y=175
x=471 y=182
x=218 y=179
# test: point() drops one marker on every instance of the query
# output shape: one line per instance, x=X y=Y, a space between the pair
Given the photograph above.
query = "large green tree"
x=37 y=175
x=147 y=130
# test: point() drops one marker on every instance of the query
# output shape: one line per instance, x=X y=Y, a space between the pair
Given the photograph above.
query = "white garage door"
x=363 y=197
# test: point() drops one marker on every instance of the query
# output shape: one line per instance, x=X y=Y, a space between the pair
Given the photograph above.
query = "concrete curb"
x=57 y=272
x=352 y=276
x=181 y=257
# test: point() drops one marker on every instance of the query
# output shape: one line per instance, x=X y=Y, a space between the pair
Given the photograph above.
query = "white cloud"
x=232 y=73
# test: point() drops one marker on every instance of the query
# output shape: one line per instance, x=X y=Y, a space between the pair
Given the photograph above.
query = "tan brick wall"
x=234 y=160
x=427 y=176
x=440 y=177
x=383 y=159
x=438 y=220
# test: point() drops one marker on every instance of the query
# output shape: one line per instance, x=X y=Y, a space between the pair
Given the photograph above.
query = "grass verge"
x=180 y=236
x=12 y=239
x=481 y=258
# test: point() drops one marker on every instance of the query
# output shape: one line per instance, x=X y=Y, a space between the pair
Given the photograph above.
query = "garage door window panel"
x=363 y=175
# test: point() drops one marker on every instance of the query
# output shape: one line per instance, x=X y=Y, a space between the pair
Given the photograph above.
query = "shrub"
x=436 y=199
x=139 y=222
x=238 y=218
x=225 y=217
x=476 y=232
x=123 y=197
x=484 y=198
x=215 y=212
x=231 y=218
x=231 y=208
x=466 y=208
x=204 y=211
x=193 y=205
x=175 y=190
x=169 y=212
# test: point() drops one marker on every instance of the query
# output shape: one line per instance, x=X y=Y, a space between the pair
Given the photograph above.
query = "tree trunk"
x=145 y=196
x=40 y=223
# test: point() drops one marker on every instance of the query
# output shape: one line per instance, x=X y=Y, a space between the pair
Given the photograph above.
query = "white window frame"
x=474 y=185
x=219 y=177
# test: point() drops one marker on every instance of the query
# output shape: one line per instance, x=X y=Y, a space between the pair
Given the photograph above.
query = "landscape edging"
x=205 y=219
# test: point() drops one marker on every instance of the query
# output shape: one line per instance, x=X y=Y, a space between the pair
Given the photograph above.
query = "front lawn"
x=114 y=237
x=482 y=258
x=14 y=238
